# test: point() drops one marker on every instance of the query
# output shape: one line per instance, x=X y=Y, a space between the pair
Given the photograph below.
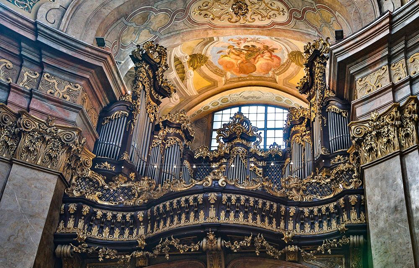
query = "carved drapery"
x=215 y=247
x=150 y=64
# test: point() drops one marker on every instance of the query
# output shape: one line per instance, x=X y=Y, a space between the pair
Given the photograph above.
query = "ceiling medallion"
x=239 y=11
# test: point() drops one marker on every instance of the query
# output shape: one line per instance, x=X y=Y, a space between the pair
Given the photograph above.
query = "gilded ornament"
x=239 y=11
x=337 y=110
x=105 y=165
x=59 y=88
x=5 y=67
x=29 y=78
x=115 y=115
x=414 y=64
x=398 y=70
x=371 y=82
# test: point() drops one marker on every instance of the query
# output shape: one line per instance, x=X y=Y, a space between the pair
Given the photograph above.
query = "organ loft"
x=209 y=133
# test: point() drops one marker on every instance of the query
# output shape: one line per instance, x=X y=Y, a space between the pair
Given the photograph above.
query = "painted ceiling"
x=221 y=52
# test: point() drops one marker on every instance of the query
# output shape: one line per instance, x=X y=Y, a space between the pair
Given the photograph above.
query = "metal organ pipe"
x=338 y=132
x=105 y=139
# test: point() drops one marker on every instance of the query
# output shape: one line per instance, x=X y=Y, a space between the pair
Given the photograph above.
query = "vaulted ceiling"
x=221 y=52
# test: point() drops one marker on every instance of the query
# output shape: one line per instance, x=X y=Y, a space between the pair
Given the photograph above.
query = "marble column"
x=387 y=215
x=29 y=210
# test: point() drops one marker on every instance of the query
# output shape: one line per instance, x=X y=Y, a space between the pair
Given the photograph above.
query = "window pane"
x=252 y=118
x=252 y=109
x=217 y=125
x=280 y=116
x=226 y=117
x=274 y=116
x=260 y=124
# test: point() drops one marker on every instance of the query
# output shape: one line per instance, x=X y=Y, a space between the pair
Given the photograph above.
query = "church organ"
x=145 y=169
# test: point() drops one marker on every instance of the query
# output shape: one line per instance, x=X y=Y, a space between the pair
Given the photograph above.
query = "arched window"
x=270 y=120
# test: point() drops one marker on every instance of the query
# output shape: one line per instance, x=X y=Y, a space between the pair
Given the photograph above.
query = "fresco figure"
x=249 y=55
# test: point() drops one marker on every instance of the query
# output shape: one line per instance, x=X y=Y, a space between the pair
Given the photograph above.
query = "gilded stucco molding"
x=386 y=133
x=43 y=143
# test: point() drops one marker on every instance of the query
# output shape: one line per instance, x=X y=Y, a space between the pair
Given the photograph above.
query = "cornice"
x=17 y=22
x=84 y=52
x=365 y=37
x=100 y=60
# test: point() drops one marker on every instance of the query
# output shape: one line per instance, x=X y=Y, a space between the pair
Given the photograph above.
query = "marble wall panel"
x=24 y=208
x=4 y=174
x=411 y=171
x=391 y=244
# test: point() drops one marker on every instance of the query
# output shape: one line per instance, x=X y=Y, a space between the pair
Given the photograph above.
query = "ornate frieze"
x=198 y=209
x=383 y=134
x=60 y=88
x=372 y=82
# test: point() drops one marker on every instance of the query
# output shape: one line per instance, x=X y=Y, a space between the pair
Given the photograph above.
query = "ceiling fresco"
x=204 y=68
x=218 y=47
x=221 y=52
